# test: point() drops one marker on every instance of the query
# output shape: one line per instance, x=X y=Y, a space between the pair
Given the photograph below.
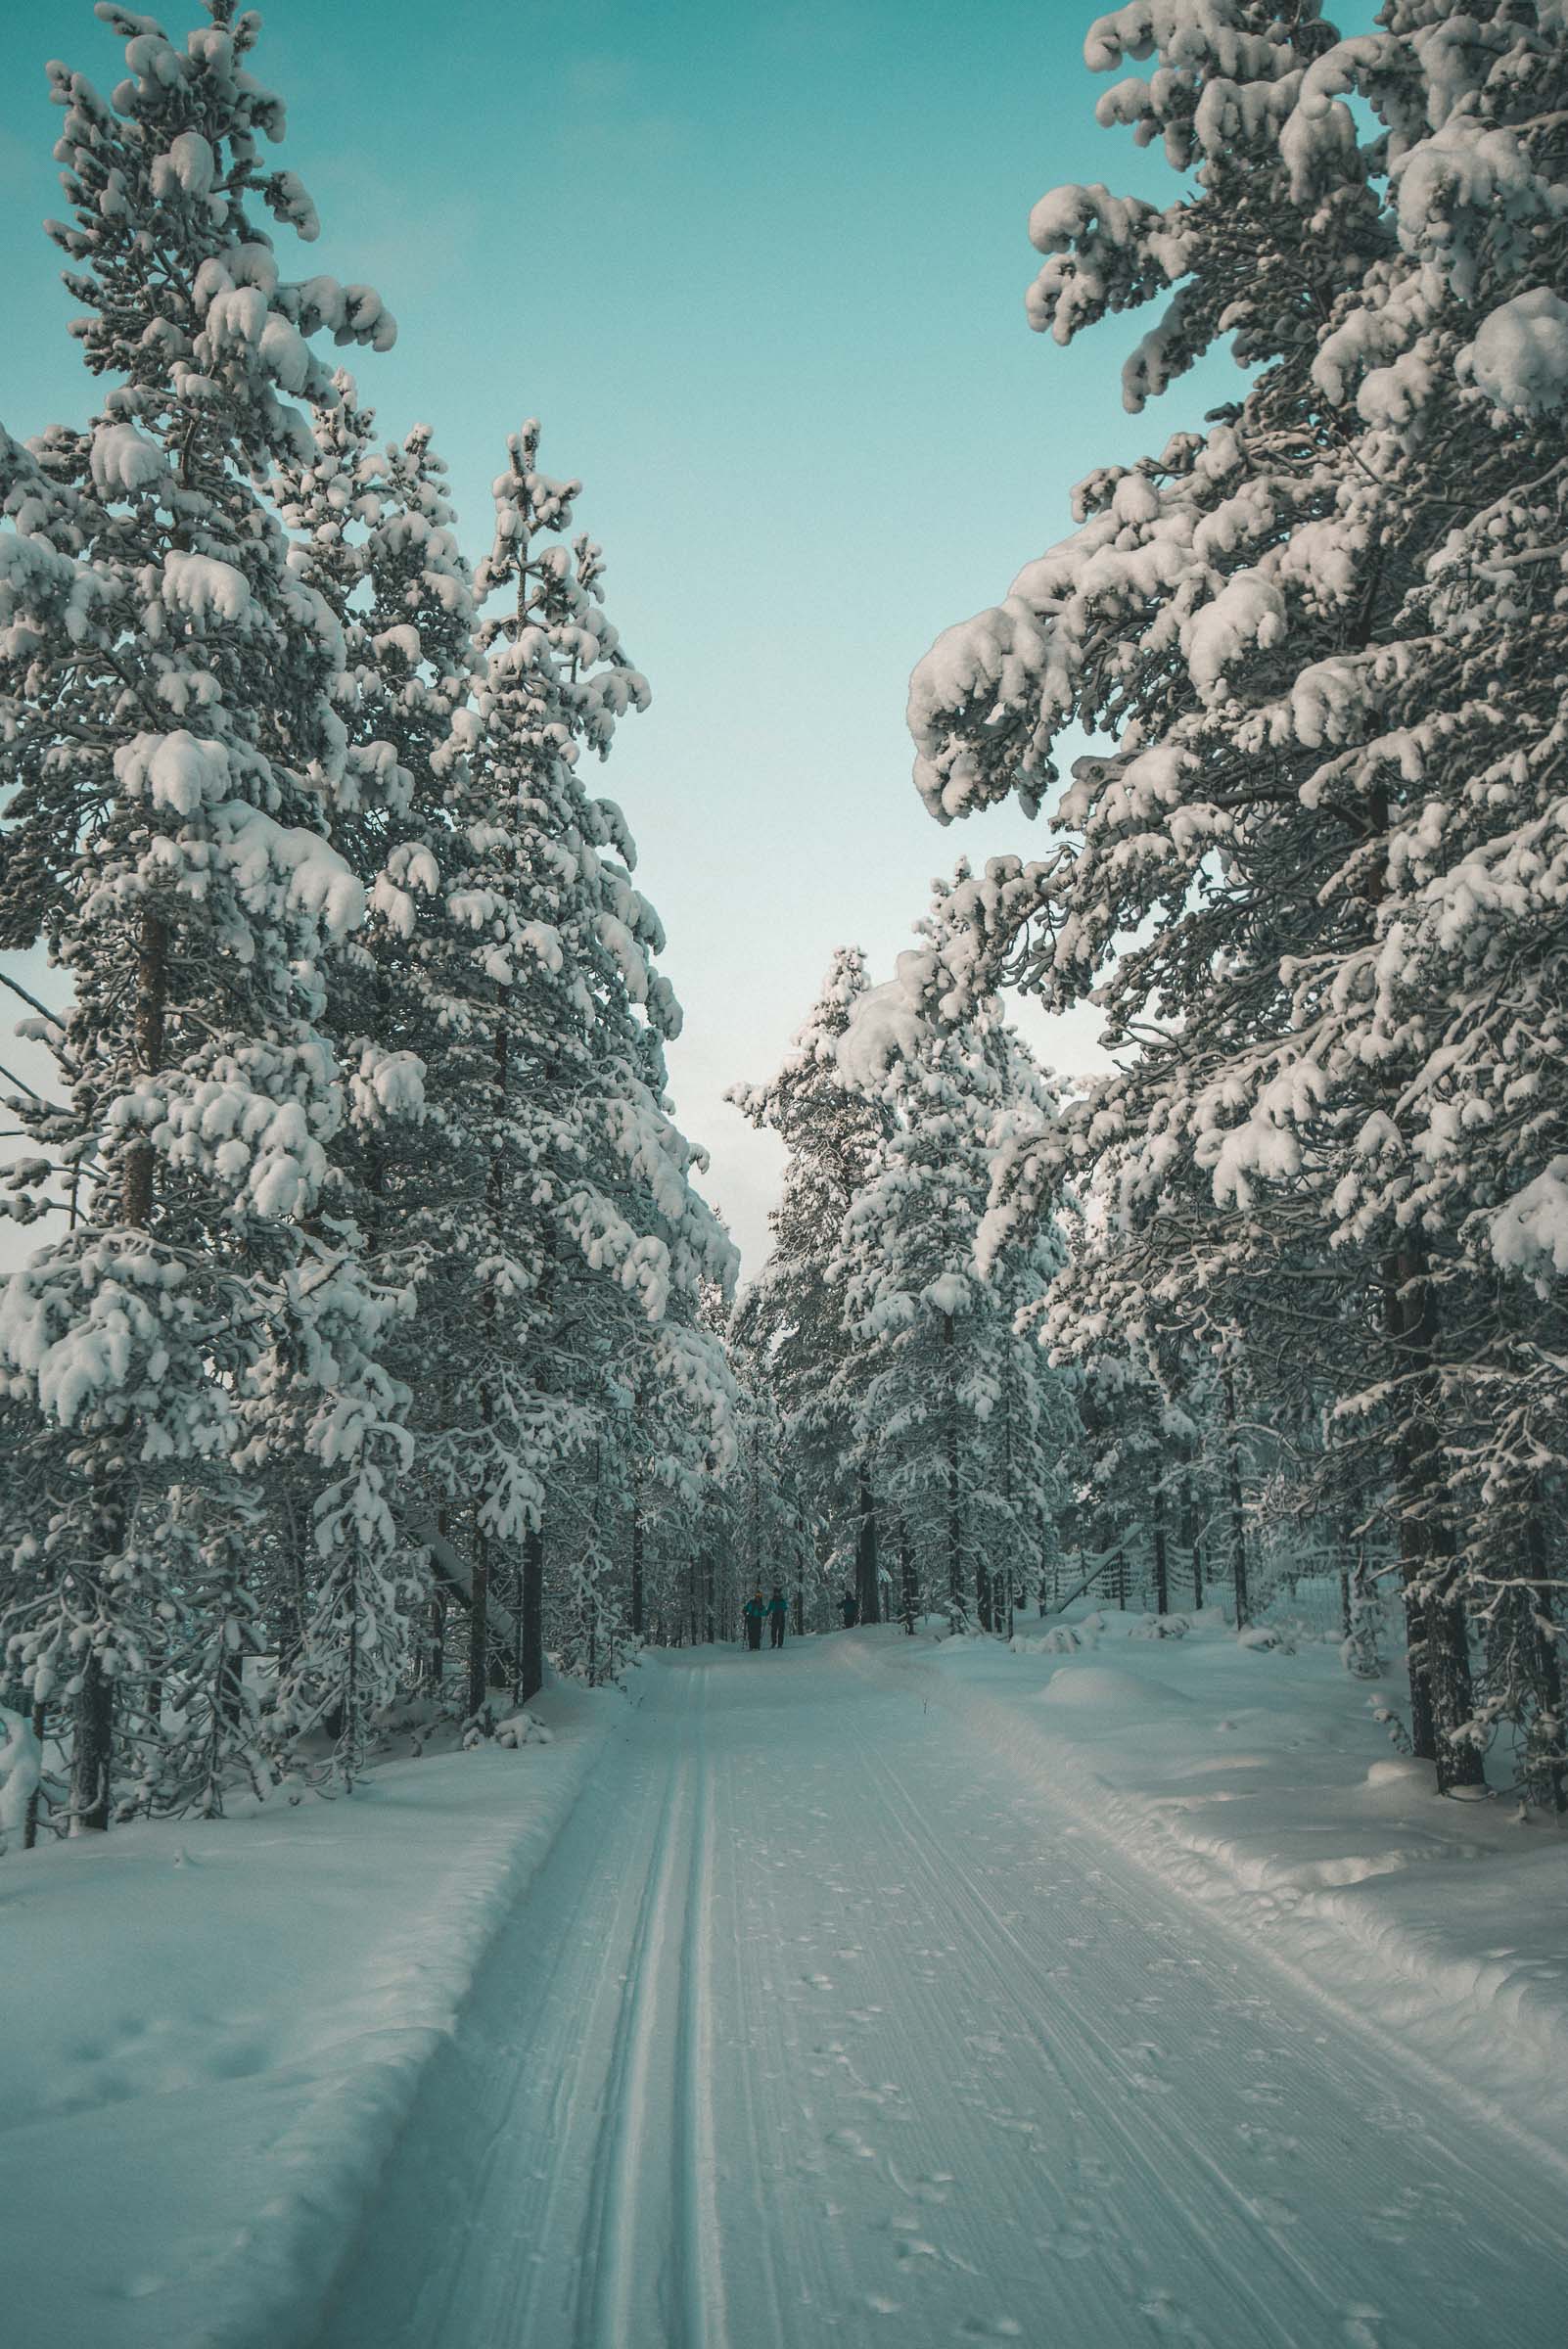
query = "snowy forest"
x=380 y=1341
x=379 y=1382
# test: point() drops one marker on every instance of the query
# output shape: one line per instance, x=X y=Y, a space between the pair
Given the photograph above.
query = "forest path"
x=816 y=2025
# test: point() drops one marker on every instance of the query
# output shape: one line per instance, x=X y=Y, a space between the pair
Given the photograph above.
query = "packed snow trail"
x=818 y=2024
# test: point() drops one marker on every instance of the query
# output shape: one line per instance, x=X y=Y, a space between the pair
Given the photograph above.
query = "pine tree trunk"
x=479 y=1670
x=1441 y=1699
x=1162 y=1584
x=637 y=1595
x=93 y=1733
x=533 y=1611
x=868 y=1594
x=93 y=1709
x=478 y=1625
x=152 y=1001
x=956 y=1554
x=348 y=1731
x=906 y=1574
x=983 y=1597
x=1550 y=1768
x=435 y=1650
x=1238 y=1522
x=29 y=1822
x=1190 y=1542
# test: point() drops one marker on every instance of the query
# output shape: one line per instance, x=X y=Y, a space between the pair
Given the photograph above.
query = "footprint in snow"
x=1075 y=2239
x=1171 y=2319
x=1364 y=2327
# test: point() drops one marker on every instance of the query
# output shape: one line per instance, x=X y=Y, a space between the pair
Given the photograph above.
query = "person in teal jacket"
x=778 y=1607
x=756 y=1611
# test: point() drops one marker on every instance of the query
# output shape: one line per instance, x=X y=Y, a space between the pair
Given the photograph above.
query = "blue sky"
x=760 y=272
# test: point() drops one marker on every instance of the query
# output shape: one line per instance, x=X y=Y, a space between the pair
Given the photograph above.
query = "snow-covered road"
x=821 y=2023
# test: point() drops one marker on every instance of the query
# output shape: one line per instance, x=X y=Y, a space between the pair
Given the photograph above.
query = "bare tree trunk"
x=93 y=1706
x=867 y=1575
x=479 y=1623
x=956 y=1556
x=1441 y=1696
x=1238 y=1522
x=152 y=1002
x=436 y=1650
x=93 y=1726
x=29 y=1822
x=637 y=1593
x=1189 y=1540
x=530 y=1678
x=1162 y=1584
x=295 y=1611
x=1543 y=1647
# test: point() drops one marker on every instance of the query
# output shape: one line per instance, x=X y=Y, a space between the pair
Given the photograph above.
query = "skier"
x=755 y=1609
x=850 y=1610
x=778 y=1606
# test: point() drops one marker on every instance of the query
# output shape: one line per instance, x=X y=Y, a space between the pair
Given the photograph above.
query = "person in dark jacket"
x=850 y=1610
x=756 y=1611
x=778 y=1607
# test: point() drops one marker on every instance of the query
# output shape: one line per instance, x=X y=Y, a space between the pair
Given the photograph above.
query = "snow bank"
x=1256 y=1781
x=218 y=2030
x=1094 y=1687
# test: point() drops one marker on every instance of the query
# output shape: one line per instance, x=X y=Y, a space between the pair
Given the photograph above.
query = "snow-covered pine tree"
x=1314 y=886
x=770 y=1514
x=579 y=1219
x=376 y=535
x=172 y=753
x=792 y=1317
x=954 y=1410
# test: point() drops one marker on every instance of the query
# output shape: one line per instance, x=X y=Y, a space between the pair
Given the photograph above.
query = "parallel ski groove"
x=701 y=2275
x=626 y=2147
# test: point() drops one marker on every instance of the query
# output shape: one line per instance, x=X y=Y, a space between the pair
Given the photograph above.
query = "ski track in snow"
x=818 y=2025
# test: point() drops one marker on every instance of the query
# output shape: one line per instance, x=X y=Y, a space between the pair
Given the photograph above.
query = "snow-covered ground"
x=877 y=1991
x=212 y=2034
x=1257 y=1780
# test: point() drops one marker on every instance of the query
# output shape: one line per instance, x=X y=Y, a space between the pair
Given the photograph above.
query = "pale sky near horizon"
x=760 y=272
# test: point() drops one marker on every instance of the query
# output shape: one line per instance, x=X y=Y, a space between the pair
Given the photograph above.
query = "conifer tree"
x=945 y=1380
x=172 y=754
x=794 y=1316
x=1321 y=635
